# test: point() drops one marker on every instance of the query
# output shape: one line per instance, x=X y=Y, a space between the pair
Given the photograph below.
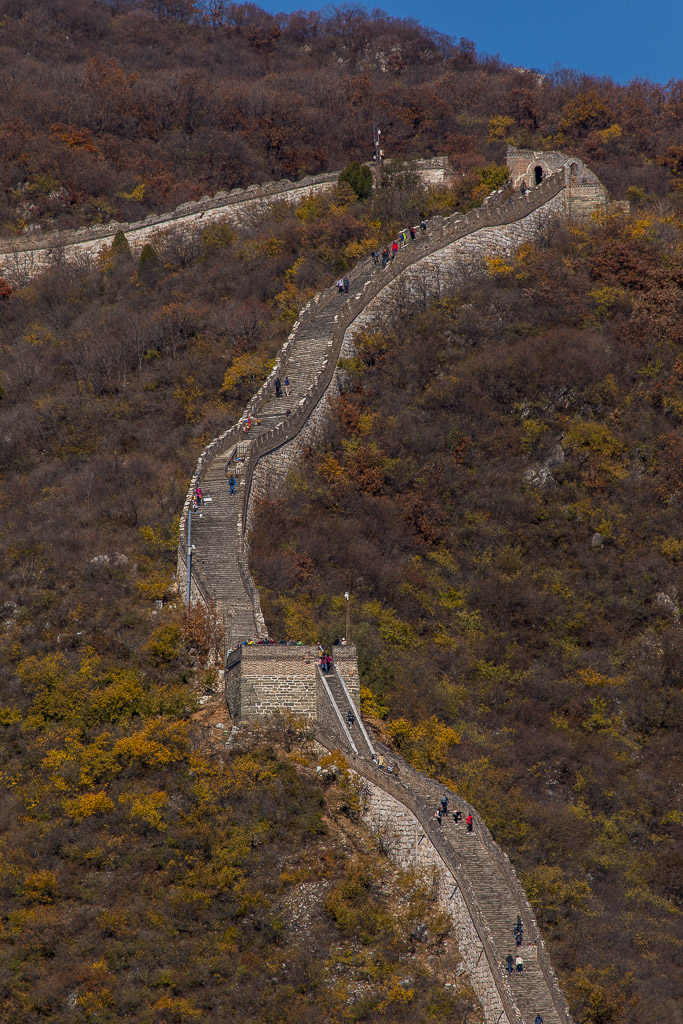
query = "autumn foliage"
x=521 y=641
x=502 y=484
x=117 y=109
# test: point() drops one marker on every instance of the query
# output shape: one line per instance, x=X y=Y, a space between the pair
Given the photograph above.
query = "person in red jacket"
x=469 y=822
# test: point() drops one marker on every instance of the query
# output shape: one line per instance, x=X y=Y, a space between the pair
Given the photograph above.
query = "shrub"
x=87 y=805
x=359 y=177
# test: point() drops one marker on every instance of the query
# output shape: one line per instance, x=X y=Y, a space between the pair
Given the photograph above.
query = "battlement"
x=263 y=678
x=584 y=192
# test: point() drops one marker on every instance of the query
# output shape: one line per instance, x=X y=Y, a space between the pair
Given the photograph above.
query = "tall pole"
x=347 y=595
x=379 y=152
x=189 y=555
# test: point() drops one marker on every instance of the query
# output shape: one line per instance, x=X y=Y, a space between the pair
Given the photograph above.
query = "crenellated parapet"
x=29 y=253
x=475 y=883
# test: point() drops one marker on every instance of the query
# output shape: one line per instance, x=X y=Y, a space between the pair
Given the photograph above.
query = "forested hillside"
x=501 y=488
x=146 y=873
x=118 y=109
x=502 y=493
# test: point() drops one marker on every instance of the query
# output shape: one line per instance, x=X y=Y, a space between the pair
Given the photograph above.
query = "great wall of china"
x=478 y=886
x=25 y=255
x=476 y=883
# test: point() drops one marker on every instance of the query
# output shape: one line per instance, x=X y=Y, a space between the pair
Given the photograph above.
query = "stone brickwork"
x=263 y=678
x=21 y=258
x=410 y=848
x=584 y=190
x=347 y=662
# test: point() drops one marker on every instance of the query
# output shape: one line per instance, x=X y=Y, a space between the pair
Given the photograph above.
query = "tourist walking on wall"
x=287 y=386
x=444 y=804
x=423 y=227
x=457 y=815
x=340 y=285
x=394 y=249
x=509 y=962
x=232 y=483
x=412 y=233
x=470 y=823
x=346 y=285
x=278 y=388
x=385 y=257
x=519 y=964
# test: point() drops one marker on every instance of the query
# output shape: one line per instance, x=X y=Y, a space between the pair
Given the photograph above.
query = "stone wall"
x=346 y=661
x=452 y=246
x=262 y=678
x=433 y=273
x=409 y=847
x=21 y=258
x=522 y=163
x=584 y=190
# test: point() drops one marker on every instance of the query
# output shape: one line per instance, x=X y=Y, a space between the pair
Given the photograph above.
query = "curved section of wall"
x=513 y=220
x=22 y=258
x=504 y=222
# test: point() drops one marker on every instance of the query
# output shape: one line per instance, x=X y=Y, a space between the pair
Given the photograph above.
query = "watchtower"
x=584 y=192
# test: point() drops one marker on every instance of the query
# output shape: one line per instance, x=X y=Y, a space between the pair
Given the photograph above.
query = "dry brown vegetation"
x=144 y=878
x=116 y=109
x=503 y=486
x=146 y=874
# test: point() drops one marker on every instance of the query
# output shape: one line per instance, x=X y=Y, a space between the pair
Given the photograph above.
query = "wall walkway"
x=478 y=885
x=309 y=357
x=22 y=257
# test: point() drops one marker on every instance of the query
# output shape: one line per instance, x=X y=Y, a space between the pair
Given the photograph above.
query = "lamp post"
x=347 y=595
x=379 y=152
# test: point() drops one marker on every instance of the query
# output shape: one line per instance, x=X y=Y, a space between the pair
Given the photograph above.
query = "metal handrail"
x=356 y=711
x=342 y=724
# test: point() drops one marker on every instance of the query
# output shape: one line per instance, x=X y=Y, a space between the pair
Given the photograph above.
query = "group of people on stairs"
x=442 y=812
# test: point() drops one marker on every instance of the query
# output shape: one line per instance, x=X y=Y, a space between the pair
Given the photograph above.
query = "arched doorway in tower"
x=538 y=174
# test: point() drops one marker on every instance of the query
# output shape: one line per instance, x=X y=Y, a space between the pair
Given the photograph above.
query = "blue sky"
x=622 y=39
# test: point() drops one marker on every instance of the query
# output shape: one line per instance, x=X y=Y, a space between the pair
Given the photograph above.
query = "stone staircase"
x=354 y=731
x=479 y=862
x=487 y=882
